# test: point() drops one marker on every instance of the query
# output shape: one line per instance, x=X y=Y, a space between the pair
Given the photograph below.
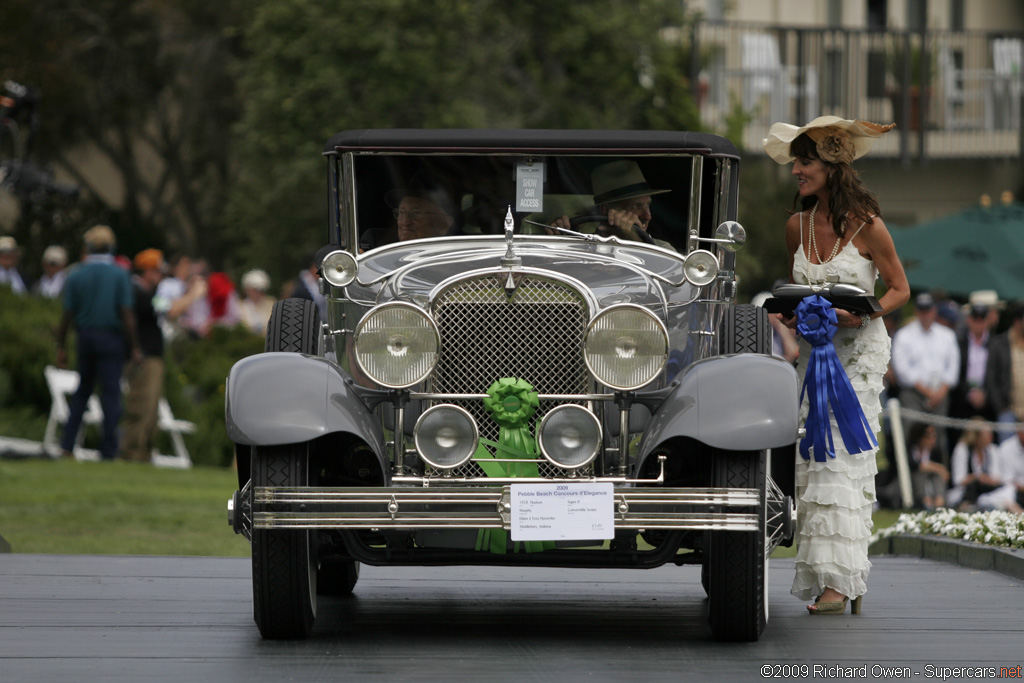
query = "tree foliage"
x=316 y=67
x=204 y=122
x=136 y=103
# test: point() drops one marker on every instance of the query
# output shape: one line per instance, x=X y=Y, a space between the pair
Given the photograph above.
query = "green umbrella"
x=980 y=248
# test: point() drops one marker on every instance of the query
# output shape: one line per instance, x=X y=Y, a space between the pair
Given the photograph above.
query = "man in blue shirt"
x=98 y=300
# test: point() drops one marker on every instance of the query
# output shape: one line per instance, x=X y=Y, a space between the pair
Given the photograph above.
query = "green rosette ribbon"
x=512 y=402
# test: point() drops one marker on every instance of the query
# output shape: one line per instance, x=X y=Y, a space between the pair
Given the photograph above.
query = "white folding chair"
x=62 y=384
x=175 y=428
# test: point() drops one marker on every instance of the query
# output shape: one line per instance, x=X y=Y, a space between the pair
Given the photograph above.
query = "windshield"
x=402 y=197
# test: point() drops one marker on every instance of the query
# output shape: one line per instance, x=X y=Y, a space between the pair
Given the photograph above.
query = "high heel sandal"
x=835 y=606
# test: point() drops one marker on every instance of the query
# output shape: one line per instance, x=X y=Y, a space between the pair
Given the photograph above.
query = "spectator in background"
x=968 y=397
x=255 y=308
x=146 y=378
x=174 y=285
x=1004 y=373
x=1010 y=468
x=222 y=307
x=176 y=294
x=976 y=482
x=926 y=361
x=308 y=285
x=9 y=273
x=98 y=301
x=51 y=284
x=930 y=475
x=990 y=299
x=948 y=314
x=193 y=319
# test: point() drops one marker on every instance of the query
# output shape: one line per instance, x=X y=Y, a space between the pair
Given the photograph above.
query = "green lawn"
x=117 y=508
x=123 y=508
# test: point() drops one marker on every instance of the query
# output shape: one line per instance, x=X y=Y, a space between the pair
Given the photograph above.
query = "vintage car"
x=504 y=392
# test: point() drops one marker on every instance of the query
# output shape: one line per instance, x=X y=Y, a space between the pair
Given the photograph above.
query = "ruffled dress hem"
x=835 y=498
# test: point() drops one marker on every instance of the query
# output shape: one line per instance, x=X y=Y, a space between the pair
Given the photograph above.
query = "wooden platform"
x=93 y=618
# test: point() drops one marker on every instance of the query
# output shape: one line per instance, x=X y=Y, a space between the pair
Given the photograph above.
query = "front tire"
x=746 y=330
x=284 y=563
x=735 y=561
x=294 y=325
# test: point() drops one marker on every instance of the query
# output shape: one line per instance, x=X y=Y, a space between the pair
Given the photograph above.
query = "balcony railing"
x=951 y=93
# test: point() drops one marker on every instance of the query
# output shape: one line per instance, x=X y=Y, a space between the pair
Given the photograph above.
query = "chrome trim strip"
x=382 y=508
x=426 y=395
x=696 y=170
x=682 y=522
x=468 y=495
x=578 y=287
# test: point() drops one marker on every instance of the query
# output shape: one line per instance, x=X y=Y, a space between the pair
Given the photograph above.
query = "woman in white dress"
x=836 y=234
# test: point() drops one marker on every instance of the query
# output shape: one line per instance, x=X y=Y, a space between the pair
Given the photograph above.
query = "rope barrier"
x=957 y=422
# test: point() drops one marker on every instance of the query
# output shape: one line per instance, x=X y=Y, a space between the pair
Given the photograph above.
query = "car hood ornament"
x=510 y=259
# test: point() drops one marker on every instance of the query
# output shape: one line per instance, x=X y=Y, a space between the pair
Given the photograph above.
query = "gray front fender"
x=282 y=398
x=739 y=402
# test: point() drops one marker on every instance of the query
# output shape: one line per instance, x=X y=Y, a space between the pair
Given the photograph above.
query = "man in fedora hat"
x=623 y=195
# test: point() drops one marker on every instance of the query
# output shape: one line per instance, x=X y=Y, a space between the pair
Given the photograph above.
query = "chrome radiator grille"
x=535 y=335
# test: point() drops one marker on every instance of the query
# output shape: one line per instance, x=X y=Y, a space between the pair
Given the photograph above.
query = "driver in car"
x=623 y=196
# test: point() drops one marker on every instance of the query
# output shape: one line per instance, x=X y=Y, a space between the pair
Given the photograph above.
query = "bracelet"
x=865 y=320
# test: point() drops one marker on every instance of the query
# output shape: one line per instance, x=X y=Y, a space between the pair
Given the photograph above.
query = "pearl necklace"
x=814 y=242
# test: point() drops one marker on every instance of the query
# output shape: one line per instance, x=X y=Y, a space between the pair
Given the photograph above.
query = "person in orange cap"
x=146 y=378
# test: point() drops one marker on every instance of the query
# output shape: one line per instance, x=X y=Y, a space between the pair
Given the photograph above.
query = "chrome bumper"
x=489 y=508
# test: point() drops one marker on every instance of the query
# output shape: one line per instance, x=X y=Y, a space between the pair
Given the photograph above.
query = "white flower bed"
x=996 y=528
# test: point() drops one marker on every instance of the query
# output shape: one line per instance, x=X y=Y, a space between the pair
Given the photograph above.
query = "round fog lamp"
x=446 y=436
x=569 y=436
x=339 y=268
x=700 y=267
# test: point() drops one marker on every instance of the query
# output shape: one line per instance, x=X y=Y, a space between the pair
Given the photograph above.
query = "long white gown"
x=835 y=498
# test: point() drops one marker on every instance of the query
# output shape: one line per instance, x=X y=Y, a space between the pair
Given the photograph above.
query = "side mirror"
x=731 y=235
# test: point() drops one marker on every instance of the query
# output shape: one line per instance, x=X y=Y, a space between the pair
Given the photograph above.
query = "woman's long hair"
x=847 y=196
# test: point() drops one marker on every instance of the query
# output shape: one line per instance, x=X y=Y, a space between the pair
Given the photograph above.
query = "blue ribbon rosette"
x=827 y=386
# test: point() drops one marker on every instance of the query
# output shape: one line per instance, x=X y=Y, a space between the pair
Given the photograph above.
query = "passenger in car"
x=623 y=195
x=420 y=211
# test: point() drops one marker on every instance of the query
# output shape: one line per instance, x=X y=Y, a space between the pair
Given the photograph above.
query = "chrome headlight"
x=446 y=436
x=700 y=267
x=396 y=345
x=569 y=436
x=625 y=347
x=339 y=268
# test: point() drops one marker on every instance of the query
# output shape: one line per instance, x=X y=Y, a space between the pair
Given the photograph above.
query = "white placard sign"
x=530 y=187
x=563 y=512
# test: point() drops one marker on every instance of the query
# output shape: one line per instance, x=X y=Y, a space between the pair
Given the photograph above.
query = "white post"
x=900 y=447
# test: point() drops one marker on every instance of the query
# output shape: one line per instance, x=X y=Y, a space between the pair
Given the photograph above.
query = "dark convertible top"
x=517 y=141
